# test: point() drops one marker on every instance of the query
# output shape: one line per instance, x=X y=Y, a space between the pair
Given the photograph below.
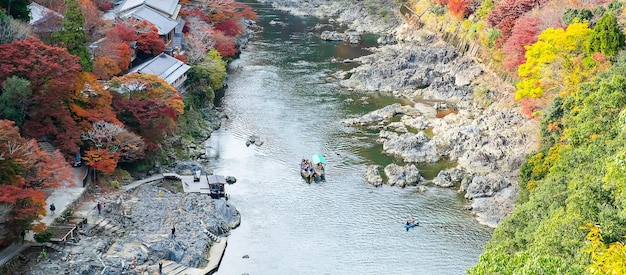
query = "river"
x=279 y=90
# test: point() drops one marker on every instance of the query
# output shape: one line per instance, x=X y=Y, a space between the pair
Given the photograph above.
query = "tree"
x=102 y=160
x=458 y=8
x=523 y=34
x=14 y=99
x=16 y=8
x=11 y=29
x=229 y=28
x=91 y=103
x=53 y=74
x=225 y=45
x=144 y=32
x=93 y=17
x=199 y=39
x=132 y=147
x=505 y=14
x=147 y=105
x=551 y=59
x=24 y=170
x=607 y=36
x=72 y=35
x=580 y=14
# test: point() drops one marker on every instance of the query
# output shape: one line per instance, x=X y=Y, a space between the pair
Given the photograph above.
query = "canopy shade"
x=317 y=158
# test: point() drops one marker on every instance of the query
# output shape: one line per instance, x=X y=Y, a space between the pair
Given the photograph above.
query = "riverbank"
x=485 y=135
x=133 y=233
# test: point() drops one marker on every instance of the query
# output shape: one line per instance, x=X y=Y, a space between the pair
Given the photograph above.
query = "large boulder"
x=402 y=176
x=373 y=176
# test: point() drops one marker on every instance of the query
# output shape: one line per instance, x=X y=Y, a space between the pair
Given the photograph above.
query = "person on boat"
x=412 y=220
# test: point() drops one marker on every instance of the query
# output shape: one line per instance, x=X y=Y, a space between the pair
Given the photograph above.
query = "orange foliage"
x=91 y=103
x=458 y=8
x=102 y=160
x=93 y=16
x=105 y=67
x=25 y=170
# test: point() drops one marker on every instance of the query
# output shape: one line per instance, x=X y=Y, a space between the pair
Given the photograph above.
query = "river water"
x=279 y=90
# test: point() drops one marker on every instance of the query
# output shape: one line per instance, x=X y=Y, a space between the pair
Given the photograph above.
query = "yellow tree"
x=556 y=56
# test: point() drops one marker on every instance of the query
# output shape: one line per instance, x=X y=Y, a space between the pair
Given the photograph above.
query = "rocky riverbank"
x=133 y=234
x=481 y=130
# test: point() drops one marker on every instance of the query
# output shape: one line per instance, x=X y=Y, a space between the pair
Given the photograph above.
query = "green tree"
x=14 y=99
x=11 y=29
x=607 y=36
x=72 y=35
x=16 y=8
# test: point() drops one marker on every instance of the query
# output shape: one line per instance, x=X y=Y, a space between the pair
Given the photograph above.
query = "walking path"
x=62 y=198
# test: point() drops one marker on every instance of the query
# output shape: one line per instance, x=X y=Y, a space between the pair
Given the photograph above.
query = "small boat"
x=313 y=169
x=410 y=225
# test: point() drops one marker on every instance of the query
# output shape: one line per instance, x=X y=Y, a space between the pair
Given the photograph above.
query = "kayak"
x=409 y=226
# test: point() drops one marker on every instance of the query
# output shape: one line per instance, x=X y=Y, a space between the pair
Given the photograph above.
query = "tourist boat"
x=313 y=169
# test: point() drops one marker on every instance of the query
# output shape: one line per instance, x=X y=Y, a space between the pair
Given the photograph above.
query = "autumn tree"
x=113 y=55
x=147 y=105
x=506 y=13
x=24 y=171
x=199 y=39
x=14 y=99
x=523 y=34
x=225 y=45
x=144 y=32
x=72 y=34
x=102 y=160
x=458 y=8
x=91 y=103
x=52 y=73
x=11 y=29
x=607 y=36
x=552 y=59
x=93 y=17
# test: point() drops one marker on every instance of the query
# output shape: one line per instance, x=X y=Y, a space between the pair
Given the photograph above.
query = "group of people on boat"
x=411 y=221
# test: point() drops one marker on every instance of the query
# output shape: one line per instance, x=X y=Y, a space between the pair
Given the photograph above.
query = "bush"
x=44 y=236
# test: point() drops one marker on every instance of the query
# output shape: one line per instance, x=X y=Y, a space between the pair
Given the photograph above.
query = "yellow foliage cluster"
x=549 y=60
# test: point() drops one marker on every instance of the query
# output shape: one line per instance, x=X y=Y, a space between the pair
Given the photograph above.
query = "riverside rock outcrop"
x=138 y=233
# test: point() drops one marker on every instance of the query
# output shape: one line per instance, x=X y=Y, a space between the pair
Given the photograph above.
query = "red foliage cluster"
x=458 y=8
x=148 y=106
x=53 y=72
x=226 y=45
x=24 y=170
x=524 y=33
x=145 y=33
x=506 y=13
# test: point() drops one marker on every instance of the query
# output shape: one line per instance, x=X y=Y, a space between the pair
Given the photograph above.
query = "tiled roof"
x=163 y=24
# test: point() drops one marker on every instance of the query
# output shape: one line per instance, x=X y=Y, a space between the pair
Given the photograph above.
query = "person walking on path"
x=52 y=208
x=173 y=232
x=99 y=207
x=160 y=268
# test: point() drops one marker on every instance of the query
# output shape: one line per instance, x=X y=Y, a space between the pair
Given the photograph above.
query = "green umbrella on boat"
x=317 y=158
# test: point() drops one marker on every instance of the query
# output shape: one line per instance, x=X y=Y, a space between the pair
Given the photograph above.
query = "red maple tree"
x=24 y=171
x=52 y=72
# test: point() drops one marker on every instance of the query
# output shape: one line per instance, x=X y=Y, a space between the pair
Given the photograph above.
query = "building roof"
x=170 y=8
x=164 y=66
x=164 y=24
x=40 y=14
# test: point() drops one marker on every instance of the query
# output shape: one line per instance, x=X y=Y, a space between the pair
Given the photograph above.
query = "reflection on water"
x=341 y=226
